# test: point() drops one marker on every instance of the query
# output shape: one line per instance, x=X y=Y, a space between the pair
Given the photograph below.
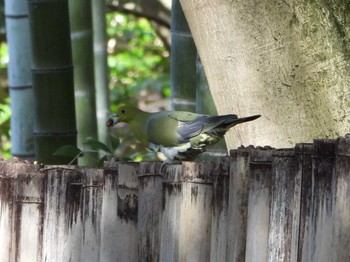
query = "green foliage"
x=97 y=145
x=106 y=152
x=90 y=145
x=5 y=111
x=68 y=151
x=5 y=114
x=137 y=59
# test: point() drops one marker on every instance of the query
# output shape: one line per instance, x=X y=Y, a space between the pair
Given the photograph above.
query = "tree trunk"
x=20 y=79
x=288 y=62
x=52 y=79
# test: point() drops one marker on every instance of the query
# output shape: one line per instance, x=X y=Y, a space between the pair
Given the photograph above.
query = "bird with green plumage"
x=179 y=135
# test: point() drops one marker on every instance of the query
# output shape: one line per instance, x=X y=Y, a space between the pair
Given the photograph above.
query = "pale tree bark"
x=286 y=60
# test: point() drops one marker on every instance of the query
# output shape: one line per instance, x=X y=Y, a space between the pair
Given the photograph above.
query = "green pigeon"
x=178 y=135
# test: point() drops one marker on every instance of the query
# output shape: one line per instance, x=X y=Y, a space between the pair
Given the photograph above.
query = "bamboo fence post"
x=259 y=203
x=28 y=216
x=109 y=230
x=195 y=212
x=21 y=210
x=285 y=206
x=238 y=205
x=321 y=208
x=7 y=228
x=119 y=213
x=92 y=209
x=341 y=224
x=149 y=211
x=172 y=189
x=304 y=169
x=63 y=216
x=219 y=220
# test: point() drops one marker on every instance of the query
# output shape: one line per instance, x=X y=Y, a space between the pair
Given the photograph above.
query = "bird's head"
x=125 y=113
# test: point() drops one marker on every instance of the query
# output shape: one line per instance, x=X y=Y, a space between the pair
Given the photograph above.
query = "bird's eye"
x=123 y=111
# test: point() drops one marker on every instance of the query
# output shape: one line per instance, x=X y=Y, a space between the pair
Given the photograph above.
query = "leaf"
x=114 y=142
x=96 y=145
x=68 y=151
x=102 y=160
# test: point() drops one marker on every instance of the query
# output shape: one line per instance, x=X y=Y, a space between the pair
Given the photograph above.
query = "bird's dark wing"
x=203 y=124
x=215 y=126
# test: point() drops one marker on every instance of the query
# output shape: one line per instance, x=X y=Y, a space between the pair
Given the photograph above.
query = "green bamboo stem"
x=101 y=68
x=82 y=47
x=20 y=79
x=52 y=73
x=183 y=62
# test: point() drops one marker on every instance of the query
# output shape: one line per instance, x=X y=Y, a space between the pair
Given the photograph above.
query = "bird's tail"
x=232 y=120
x=244 y=119
x=213 y=125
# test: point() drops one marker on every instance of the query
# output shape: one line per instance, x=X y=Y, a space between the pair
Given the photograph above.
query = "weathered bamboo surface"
x=260 y=204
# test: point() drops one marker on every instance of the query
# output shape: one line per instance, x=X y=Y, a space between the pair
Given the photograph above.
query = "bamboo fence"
x=259 y=204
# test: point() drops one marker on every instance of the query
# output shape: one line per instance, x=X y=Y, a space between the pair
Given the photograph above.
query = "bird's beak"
x=112 y=120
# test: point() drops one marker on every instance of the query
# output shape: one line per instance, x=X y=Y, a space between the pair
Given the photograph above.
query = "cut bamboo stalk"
x=149 y=207
x=119 y=213
x=238 y=201
x=341 y=224
x=259 y=204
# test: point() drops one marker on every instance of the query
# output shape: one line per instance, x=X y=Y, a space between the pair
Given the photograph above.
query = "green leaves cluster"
x=137 y=59
x=90 y=145
x=115 y=150
x=5 y=111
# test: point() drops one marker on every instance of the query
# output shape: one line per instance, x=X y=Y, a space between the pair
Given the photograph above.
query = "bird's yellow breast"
x=162 y=130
